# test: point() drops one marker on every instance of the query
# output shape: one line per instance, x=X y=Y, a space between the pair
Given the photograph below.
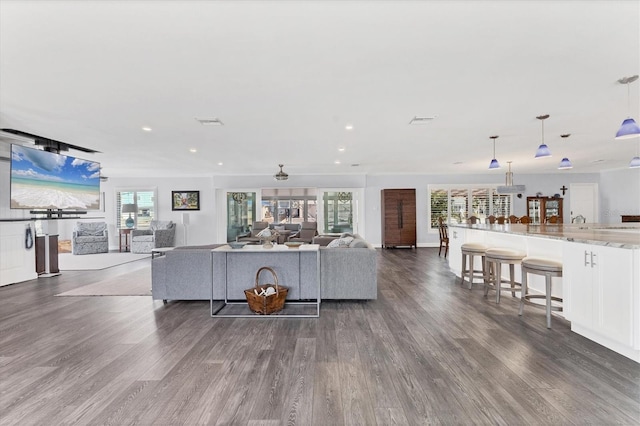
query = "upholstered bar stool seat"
x=494 y=259
x=472 y=250
x=540 y=266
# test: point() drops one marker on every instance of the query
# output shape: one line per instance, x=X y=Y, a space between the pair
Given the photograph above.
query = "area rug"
x=136 y=283
x=88 y=262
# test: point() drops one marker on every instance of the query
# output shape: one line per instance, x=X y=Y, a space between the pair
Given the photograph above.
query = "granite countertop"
x=623 y=235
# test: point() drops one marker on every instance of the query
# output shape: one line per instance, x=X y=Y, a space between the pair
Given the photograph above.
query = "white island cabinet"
x=600 y=286
x=602 y=297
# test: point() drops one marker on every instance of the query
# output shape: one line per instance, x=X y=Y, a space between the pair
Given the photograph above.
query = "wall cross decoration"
x=564 y=189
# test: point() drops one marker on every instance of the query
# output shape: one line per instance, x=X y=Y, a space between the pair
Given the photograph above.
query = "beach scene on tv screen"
x=45 y=180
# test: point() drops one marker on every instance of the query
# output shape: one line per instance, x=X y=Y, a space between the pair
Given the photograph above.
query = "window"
x=455 y=203
x=241 y=213
x=292 y=205
x=338 y=212
x=143 y=208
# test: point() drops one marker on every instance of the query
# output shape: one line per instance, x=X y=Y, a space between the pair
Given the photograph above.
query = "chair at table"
x=491 y=219
x=472 y=220
x=501 y=220
x=553 y=219
x=525 y=220
x=444 y=237
x=513 y=219
x=307 y=231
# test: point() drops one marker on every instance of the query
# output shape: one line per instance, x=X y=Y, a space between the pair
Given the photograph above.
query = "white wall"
x=619 y=194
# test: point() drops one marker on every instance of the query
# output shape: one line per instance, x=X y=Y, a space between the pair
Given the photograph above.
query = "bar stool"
x=472 y=250
x=539 y=266
x=494 y=259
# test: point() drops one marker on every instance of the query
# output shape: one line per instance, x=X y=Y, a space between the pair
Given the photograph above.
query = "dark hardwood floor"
x=427 y=351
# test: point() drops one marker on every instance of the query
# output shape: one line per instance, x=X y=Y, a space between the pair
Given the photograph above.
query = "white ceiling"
x=286 y=77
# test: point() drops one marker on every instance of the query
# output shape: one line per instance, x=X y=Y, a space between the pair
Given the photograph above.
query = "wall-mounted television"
x=46 y=180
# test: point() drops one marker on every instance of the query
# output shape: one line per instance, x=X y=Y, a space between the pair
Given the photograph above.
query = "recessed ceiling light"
x=337 y=162
x=341 y=149
x=210 y=121
x=597 y=161
x=349 y=126
x=146 y=129
x=418 y=120
x=220 y=163
x=193 y=150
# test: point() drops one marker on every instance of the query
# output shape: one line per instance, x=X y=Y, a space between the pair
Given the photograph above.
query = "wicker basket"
x=265 y=305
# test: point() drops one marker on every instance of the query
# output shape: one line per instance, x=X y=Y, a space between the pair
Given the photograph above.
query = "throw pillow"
x=346 y=234
x=266 y=232
x=279 y=228
x=340 y=242
x=359 y=243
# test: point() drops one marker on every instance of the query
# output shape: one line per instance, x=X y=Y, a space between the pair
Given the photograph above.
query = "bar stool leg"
x=547 y=281
x=523 y=292
x=487 y=276
x=513 y=279
x=471 y=271
x=497 y=280
x=463 y=270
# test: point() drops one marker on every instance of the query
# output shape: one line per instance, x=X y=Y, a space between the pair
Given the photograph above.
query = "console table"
x=235 y=270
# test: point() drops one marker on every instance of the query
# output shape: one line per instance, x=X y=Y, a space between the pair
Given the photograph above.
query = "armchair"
x=89 y=238
x=252 y=237
x=307 y=231
x=160 y=234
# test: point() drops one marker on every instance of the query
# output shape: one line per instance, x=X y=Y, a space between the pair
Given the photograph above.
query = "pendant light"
x=565 y=164
x=281 y=175
x=629 y=129
x=635 y=161
x=494 y=165
x=543 y=150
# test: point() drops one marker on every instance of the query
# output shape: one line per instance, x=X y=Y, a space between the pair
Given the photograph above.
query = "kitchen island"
x=601 y=273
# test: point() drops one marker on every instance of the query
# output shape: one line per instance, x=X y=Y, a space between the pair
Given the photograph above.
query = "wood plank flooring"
x=428 y=351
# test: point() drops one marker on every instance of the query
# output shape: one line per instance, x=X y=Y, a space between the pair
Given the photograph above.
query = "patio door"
x=241 y=213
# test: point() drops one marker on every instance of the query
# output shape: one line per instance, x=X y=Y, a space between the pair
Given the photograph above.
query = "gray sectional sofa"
x=346 y=273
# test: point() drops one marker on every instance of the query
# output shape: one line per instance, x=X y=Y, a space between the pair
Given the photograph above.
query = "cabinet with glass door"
x=541 y=209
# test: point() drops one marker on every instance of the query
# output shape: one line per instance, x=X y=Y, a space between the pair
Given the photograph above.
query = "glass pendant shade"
x=565 y=164
x=494 y=165
x=543 y=151
x=635 y=163
x=629 y=129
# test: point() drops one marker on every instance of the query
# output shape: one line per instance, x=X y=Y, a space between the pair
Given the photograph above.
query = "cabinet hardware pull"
x=592 y=262
x=586 y=262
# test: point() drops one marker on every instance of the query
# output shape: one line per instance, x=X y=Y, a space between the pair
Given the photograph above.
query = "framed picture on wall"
x=185 y=200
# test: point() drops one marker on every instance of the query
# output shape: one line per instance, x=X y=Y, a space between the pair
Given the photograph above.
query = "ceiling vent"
x=210 y=121
x=418 y=121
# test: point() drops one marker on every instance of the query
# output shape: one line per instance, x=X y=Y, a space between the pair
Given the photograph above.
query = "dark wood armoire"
x=398 y=217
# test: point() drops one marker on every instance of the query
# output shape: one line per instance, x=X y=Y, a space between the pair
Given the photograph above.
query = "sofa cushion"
x=87 y=229
x=90 y=238
x=358 y=243
x=340 y=242
x=140 y=238
x=160 y=224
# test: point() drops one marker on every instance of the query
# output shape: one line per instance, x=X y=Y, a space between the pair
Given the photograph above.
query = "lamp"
x=494 y=165
x=629 y=129
x=565 y=164
x=129 y=208
x=509 y=187
x=635 y=163
x=543 y=149
x=281 y=175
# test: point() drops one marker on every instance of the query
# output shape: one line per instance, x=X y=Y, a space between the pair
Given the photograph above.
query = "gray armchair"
x=159 y=234
x=307 y=231
x=90 y=238
x=252 y=237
